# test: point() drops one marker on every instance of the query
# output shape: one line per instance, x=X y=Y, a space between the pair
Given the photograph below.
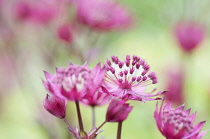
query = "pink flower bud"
x=65 y=33
x=118 y=111
x=189 y=35
x=55 y=106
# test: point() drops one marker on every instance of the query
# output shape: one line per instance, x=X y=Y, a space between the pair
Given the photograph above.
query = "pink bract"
x=94 y=96
x=128 y=79
x=189 y=35
x=118 y=111
x=55 y=106
x=68 y=83
x=177 y=123
x=102 y=15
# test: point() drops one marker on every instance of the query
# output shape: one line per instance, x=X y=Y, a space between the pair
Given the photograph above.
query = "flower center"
x=179 y=119
x=74 y=76
x=129 y=73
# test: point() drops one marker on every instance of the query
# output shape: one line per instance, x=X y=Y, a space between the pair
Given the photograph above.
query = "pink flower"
x=189 y=35
x=69 y=83
x=175 y=86
x=102 y=15
x=95 y=97
x=55 y=106
x=44 y=11
x=22 y=10
x=65 y=33
x=177 y=123
x=128 y=79
x=118 y=111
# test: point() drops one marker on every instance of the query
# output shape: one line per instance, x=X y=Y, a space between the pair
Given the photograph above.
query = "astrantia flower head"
x=55 y=106
x=68 y=83
x=189 y=35
x=128 y=79
x=94 y=95
x=177 y=123
x=102 y=15
x=118 y=111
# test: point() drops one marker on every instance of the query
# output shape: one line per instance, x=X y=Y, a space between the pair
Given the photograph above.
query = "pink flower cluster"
x=115 y=83
x=177 y=123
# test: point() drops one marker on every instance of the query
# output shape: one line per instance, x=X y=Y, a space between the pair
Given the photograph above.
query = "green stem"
x=93 y=117
x=79 y=116
x=119 y=129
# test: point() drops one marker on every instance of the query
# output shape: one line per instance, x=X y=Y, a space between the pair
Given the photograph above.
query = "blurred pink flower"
x=94 y=97
x=189 y=35
x=128 y=79
x=1 y=2
x=118 y=111
x=177 y=123
x=44 y=11
x=69 y=83
x=102 y=15
x=175 y=86
x=39 y=12
x=22 y=10
x=55 y=106
x=65 y=32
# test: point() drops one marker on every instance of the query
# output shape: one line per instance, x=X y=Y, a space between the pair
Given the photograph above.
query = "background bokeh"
x=29 y=47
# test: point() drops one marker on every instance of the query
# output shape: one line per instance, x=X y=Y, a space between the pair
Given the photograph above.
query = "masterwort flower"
x=128 y=79
x=177 y=123
x=68 y=83
x=94 y=96
x=103 y=15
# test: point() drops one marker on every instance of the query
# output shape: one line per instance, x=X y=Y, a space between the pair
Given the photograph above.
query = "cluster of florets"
x=115 y=83
x=177 y=123
x=128 y=79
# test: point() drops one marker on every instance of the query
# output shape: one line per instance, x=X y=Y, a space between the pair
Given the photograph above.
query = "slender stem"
x=69 y=136
x=119 y=129
x=67 y=123
x=79 y=116
x=93 y=117
x=99 y=127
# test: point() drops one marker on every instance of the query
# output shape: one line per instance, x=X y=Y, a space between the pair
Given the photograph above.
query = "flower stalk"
x=93 y=117
x=119 y=130
x=79 y=116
